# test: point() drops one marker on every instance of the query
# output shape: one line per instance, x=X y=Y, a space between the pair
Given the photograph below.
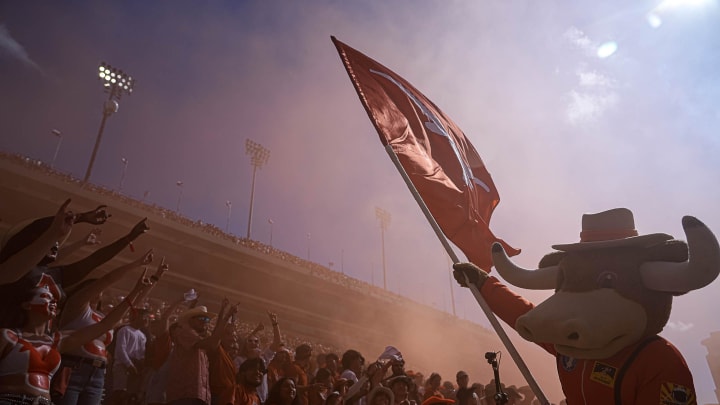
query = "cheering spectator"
x=380 y=396
x=298 y=372
x=279 y=366
x=432 y=387
x=222 y=368
x=352 y=363
x=323 y=383
x=332 y=363
x=188 y=376
x=283 y=392
x=28 y=375
x=448 y=390
x=157 y=353
x=465 y=395
x=88 y=362
x=248 y=379
x=479 y=390
x=251 y=349
x=56 y=277
x=397 y=368
x=128 y=358
x=400 y=386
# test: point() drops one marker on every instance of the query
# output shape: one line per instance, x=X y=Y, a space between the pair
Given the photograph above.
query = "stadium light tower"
x=384 y=218
x=116 y=83
x=58 y=134
x=228 y=204
x=259 y=155
x=180 y=187
x=124 y=162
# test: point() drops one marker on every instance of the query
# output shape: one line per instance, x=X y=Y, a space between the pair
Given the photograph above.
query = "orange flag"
x=440 y=161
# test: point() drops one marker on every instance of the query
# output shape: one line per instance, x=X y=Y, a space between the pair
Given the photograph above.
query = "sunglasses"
x=203 y=318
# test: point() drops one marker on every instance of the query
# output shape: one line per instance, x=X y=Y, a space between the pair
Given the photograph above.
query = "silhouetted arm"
x=77 y=303
x=14 y=267
x=75 y=272
x=213 y=342
x=277 y=339
x=84 y=335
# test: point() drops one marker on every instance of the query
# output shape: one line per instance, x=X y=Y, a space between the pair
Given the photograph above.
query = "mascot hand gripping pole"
x=613 y=295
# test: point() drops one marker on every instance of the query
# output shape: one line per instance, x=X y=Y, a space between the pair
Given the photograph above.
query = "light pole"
x=122 y=174
x=384 y=218
x=259 y=155
x=116 y=82
x=228 y=204
x=180 y=186
x=58 y=134
x=308 y=252
x=271 y=222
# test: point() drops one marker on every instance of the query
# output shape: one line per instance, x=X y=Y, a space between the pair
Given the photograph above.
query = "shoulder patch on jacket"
x=676 y=394
x=603 y=374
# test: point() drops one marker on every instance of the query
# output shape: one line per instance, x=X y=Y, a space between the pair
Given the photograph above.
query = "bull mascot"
x=613 y=295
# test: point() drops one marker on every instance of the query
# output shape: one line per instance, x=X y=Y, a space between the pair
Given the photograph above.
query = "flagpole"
x=476 y=293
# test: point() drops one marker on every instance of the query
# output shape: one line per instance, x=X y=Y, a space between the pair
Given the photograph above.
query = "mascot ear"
x=551 y=259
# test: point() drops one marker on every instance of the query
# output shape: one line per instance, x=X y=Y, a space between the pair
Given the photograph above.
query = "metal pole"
x=57 y=148
x=252 y=198
x=227 y=223
x=476 y=293
x=122 y=175
x=179 y=198
x=270 y=221
x=308 y=252
x=106 y=113
x=452 y=294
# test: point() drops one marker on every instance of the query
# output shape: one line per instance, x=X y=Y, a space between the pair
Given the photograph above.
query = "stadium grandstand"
x=314 y=303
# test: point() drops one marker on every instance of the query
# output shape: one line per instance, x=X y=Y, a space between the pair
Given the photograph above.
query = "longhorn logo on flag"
x=442 y=164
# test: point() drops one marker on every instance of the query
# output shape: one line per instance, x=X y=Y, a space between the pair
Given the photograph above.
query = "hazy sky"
x=575 y=107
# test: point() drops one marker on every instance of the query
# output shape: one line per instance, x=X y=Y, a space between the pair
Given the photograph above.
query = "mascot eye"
x=606 y=279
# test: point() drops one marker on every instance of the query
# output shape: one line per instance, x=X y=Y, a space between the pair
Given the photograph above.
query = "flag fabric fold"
x=441 y=162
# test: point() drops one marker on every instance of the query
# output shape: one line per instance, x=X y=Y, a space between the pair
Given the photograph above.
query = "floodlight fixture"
x=259 y=155
x=115 y=80
x=116 y=83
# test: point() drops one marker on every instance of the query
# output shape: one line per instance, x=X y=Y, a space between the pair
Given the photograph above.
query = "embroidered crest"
x=603 y=374
x=568 y=363
x=676 y=394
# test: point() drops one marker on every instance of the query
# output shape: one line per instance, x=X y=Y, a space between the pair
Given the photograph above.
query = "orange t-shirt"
x=298 y=374
x=222 y=371
x=238 y=394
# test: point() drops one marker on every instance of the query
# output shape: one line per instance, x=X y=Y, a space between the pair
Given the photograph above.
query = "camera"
x=490 y=356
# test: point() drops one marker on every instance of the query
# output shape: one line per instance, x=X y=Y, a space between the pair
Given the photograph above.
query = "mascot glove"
x=473 y=273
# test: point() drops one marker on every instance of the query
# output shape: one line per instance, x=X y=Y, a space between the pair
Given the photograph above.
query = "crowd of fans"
x=62 y=342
